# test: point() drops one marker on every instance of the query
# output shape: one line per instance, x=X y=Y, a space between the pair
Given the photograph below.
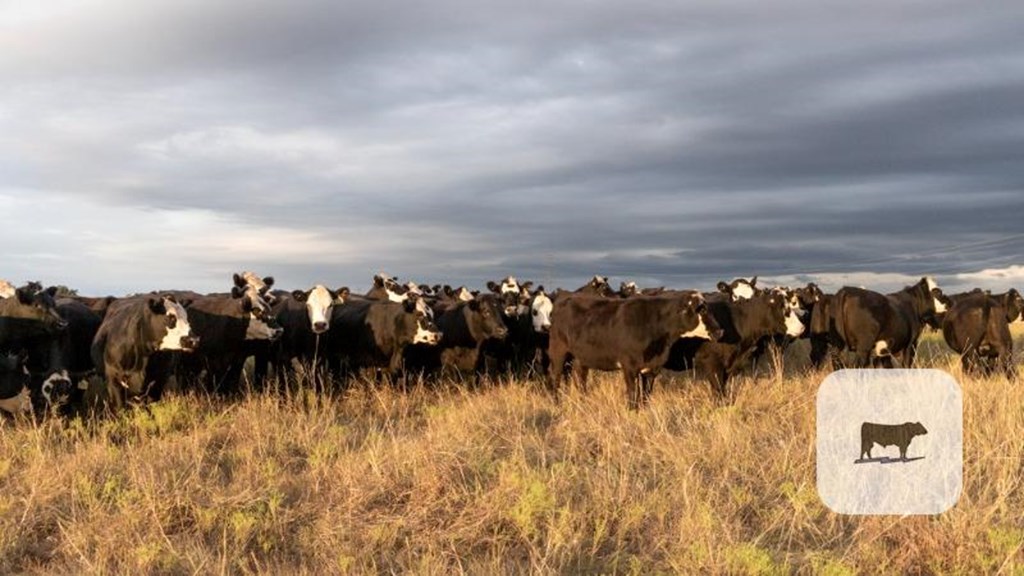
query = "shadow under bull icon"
x=899 y=435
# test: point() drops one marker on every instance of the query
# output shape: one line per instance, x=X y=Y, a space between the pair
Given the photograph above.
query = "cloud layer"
x=173 y=143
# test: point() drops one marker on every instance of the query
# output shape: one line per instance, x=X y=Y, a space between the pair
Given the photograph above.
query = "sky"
x=170 y=143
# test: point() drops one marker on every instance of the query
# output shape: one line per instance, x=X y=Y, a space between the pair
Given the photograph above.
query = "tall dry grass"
x=495 y=481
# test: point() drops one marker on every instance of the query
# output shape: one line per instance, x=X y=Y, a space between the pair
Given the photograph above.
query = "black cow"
x=14 y=379
x=899 y=435
x=877 y=326
x=225 y=325
x=63 y=391
x=374 y=334
x=130 y=335
x=744 y=323
x=802 y=301
x=978 y=328
x=633 y=334
x=465 y=328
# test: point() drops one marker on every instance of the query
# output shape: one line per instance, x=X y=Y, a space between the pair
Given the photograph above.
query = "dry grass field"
x=495 y=481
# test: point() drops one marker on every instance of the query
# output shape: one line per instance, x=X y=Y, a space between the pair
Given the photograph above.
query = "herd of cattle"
x=52 y=348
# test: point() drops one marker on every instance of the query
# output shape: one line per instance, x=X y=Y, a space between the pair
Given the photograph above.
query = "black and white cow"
x=465 y=328
x=225 y=325
x=129 y=337
x=305 y=316
x=30 y=321
x=250 y=280
x=745 y=322
x=878 y=326
x=373 y=334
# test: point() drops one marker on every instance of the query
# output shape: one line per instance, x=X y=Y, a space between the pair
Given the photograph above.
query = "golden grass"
x=500 y=480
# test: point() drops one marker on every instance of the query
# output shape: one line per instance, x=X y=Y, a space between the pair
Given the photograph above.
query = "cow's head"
x=394 y=291
x=1014 y=304
x=262 y=323
x=422 y=328
x=510 y=292
x=540 y=311
x=627 y=289
x=809 y=295
x=697 y=318
x=929 y=300
x=32 y=304
x=782 y=317
x=56 y=389
x=319 y=300
x=170 y=322
x=740 y=289
x=485 y=318
x=262 y=286
x=917 y=429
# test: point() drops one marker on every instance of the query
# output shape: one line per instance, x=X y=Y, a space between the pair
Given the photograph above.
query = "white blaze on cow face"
x=425 y=335
x=17 y=404
x=940 y=308
x=423 y=308
x=52 y=383
x=743 y=291
x=6 y=289
x=318 y=307
x=794 y=327
x=541 y=312
x=510 y=284
x=701 y=331
x=181 y=329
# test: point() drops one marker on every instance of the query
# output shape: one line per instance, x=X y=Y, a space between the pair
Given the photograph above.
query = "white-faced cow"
x=878 y=326
x=6 y=289
x=744 y=322
x=373 y=334
x=634 y=335
x=246 y=280
x=130 y=335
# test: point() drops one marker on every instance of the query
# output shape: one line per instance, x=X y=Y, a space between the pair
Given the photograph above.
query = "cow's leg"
x=647 y=382
x=556 y=368
x=819 y=351
x=582 y=374
x=903 y=451
x=634 y=391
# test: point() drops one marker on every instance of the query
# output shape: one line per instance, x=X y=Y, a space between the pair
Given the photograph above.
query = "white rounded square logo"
x=890 y=441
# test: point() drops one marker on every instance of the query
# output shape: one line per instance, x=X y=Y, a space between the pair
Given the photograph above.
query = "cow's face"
x=319 y=301
x=36 y=304
x=424 y=330
x=784 y=317
x=395 y=292
x=262 y=324
x=1014 y=305
x=262 y=286
x=56 y=389
x=627 y=289
x=809 y=295
x=540 y=311
x=695 y=313
x=6 y=289
x=510 y=291
x=486 y=317
x=939 y=302
x=172 y=324
x=740 y=289
x=918 y=429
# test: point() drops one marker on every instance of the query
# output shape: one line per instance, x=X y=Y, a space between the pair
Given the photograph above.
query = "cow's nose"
x=319 y=327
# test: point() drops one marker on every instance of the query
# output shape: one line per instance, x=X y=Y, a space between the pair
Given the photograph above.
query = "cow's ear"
x=753 y=282
x=246 y=305
x=448 y=290
x=52 y=291
x=186 y=302
x=299 y=295
x=156 y=305
x=409 y=304
x=378 y=281
x=436 y=288
x=493 y=287
x=526 y=286
x=239 y=281
x=723 y=287
x=342 y=293
x=474 y=305
x=237 y=292
x=269 y=281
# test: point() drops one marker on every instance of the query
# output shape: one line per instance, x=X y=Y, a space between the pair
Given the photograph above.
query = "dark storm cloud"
x=454 y=141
